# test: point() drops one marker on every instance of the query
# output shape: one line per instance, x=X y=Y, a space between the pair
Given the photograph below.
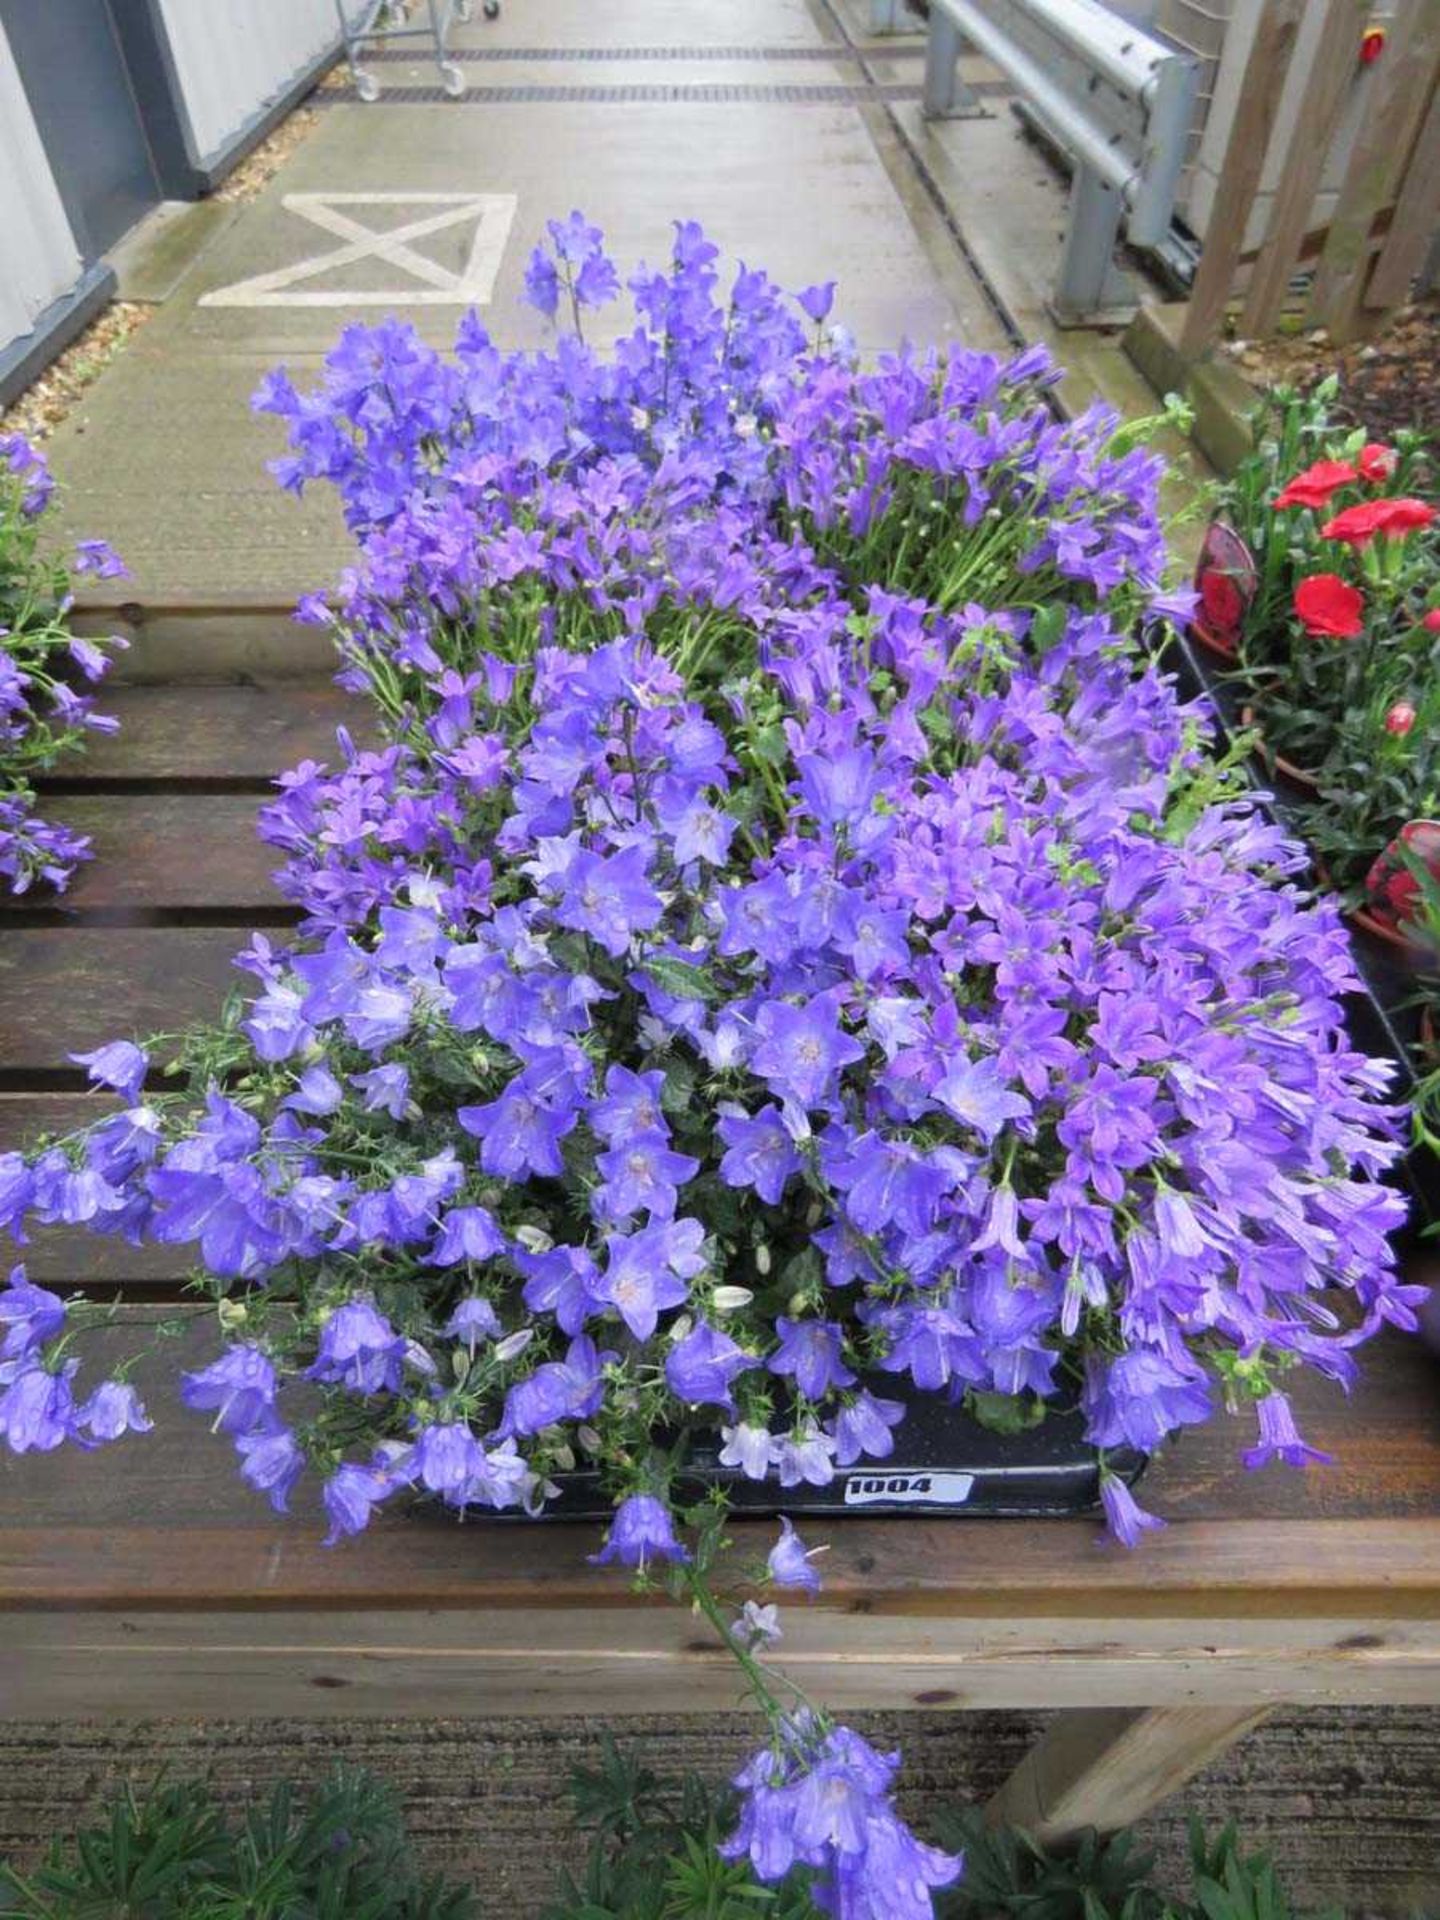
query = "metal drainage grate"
x=606 y=55
x=625 y=96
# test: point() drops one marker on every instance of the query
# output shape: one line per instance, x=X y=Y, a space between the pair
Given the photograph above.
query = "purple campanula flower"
x=802 y=1049
x=748 y=1447
x=1124 y=1515
x=1137 y=1398
x=37 y=1409
x=818 y=300
x=568 y=1389
x=118 y=1064
x=610 y=898
x=700 y=1367
x=759 y=1151
x=810 y=1353
x=789 y=1563
x=863 y=1428
x=447 y=1458
x=351 y=1495
x=641 y=1530
x=521 y=1131
x=113 y=1409
x=317 y=1091
x=473 y=1320
x=240 y=1388
x=542 y=283
x=29 y=1314
x=648 y=1271
x=629 y=1106
x=386 y=1089
x=272 y=1461
x=642 y=1172
x=807 y=1454
x=100 y=558
x=974 y=1093
x=1280 y=1437
x=466 y=1233
x=359 y=1350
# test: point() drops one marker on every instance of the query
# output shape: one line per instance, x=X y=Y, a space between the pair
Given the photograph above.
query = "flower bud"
x=233 y=1314
x=514 y=1344
x=730 y=1299
x=534 y=1239
x=1400 y=719
x=1431 y=622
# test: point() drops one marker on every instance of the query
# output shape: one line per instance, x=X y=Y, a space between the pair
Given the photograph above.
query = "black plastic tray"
x=945 y=1465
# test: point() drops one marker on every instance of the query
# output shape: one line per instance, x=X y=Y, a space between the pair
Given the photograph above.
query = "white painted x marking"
x=428 y=285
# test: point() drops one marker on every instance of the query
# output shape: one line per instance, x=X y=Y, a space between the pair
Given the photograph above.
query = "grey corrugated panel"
x=39 y=260
x=231 y=62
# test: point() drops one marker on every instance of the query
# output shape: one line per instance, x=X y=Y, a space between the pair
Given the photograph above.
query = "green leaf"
x=681 y=979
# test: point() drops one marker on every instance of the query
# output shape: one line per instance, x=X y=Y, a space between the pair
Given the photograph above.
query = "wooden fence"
x=1381 y=231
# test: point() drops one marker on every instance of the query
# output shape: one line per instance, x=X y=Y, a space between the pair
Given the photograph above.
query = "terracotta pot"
x=1301 y=777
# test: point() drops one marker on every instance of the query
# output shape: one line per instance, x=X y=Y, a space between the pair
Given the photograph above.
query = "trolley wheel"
x=491 y=9
x=463 y=10
x=452 y=79
x=367 y=86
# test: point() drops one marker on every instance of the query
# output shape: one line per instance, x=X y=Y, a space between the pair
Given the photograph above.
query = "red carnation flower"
x=1393 y=518
x=1314 y=486
x=1431 y=622
x=1377 y=462
x=1330 y=607
x=1400 y=719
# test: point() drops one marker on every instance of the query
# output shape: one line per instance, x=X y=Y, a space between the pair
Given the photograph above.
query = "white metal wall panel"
x=233 y=57
x=38 y=257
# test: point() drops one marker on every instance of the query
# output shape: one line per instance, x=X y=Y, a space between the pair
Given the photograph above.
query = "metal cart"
x=379 y=20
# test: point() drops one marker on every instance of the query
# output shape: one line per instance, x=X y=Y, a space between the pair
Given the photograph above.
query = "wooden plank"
x=633 y=1655
x=163 y=853
x=1417 y=212
x=1107 y=1767
x=230 y=735
x=66 y=989
x=1404 y=82
x=1240 y=175
x=1327 y=88
x=164 y=1523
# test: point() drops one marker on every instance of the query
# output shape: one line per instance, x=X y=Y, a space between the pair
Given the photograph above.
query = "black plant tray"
x=945 y=1465
x=1381 y=1018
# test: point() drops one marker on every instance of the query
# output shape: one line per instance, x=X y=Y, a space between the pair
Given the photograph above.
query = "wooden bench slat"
x=65 y=990
x=214 y=734
x=162 y=853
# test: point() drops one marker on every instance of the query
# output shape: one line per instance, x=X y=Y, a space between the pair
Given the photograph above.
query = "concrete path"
x=755 y=117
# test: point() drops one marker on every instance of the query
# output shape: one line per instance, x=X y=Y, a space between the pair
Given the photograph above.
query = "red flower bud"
x=1400 y=719
x=1377 y=462
x=1330 y=607
x=1372 y=45
x=1431 y=622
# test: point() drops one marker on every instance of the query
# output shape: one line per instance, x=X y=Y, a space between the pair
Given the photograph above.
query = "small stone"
x=1320 y=337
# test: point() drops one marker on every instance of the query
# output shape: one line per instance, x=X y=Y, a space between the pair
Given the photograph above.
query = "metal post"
x=946 y=96
x=1091 y=289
